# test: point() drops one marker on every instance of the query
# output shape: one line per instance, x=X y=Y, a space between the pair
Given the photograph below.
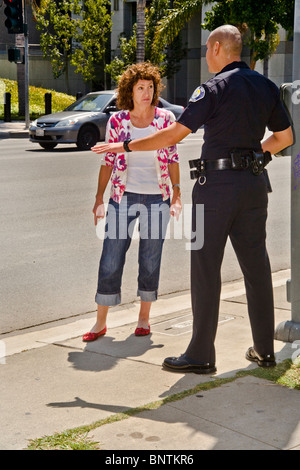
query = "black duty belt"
x=239 y=160
x=220 y=164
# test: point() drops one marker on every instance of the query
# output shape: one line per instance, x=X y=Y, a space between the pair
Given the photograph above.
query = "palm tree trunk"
x=140 y=30
x=266 y=60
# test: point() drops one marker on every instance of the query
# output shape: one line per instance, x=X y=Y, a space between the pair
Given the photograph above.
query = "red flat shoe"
x=92 y=336
x=142 y=331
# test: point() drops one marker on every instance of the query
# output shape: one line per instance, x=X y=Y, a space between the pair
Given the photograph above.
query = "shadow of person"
x=76 y=403
x=218 y=414
x=104 y=353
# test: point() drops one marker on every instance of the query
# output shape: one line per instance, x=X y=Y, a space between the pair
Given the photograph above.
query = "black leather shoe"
x=262 y=361
x=186 y=364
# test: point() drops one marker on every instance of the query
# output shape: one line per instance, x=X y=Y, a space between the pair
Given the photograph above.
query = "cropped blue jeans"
x=154 y=215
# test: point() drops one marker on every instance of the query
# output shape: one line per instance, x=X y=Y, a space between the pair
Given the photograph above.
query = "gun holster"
x=259 y=162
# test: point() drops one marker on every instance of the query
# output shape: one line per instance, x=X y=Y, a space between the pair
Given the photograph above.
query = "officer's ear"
x=216 y=48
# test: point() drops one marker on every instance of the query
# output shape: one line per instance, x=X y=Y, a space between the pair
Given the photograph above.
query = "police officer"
x=235 y=108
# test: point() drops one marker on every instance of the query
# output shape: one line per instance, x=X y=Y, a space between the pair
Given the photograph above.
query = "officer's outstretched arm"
x=278 y=141
x=164 y=138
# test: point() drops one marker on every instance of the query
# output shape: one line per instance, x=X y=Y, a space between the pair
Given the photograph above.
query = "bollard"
x=48 y=103
x=7 y=107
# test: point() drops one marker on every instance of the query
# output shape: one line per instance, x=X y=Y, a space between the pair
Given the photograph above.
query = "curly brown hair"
x=134 y=73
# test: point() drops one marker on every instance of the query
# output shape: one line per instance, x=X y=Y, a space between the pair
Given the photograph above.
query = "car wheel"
x=48 y=146
x=88 y=137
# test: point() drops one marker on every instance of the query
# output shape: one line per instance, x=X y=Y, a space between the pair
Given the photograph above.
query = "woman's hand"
x=176 y=207
x=98 y=210
x=115 y=147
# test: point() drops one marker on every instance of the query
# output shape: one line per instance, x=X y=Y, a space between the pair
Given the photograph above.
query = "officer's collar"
x=234 y=65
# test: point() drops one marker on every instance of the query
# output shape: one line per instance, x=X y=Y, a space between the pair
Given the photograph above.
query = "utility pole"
x=26 y=59
x=289 y=331
x=16 y=23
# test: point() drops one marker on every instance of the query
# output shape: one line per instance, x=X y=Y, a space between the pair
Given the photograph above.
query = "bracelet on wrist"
x=125 y=145
x=178 y=194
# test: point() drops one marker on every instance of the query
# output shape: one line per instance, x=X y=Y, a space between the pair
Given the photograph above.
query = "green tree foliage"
x=74 y=32
x=258 y=20
x=95 y=27
x=167 y=56
x=176 y=19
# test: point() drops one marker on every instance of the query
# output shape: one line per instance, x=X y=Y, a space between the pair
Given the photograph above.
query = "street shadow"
x=56 y=150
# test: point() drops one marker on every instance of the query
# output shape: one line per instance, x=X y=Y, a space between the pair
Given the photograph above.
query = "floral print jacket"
x=119 y=128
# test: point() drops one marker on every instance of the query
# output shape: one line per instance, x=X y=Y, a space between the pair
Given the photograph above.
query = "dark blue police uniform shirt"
x=235 y=108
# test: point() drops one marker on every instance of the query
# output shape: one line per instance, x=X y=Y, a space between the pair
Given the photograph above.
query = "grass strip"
x=286 y=374
x=60 y=101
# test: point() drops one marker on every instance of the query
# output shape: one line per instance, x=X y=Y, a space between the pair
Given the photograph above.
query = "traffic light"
x=14 y=14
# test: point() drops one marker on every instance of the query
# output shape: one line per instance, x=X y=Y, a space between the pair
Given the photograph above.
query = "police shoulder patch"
x=198 y=94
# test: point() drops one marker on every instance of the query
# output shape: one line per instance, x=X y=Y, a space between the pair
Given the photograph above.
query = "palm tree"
x=140 y=30
x=170 y=26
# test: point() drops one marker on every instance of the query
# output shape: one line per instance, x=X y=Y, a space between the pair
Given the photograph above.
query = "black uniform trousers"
x=235 y=205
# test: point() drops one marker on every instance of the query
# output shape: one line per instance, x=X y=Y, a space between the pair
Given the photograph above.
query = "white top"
x=141 y=171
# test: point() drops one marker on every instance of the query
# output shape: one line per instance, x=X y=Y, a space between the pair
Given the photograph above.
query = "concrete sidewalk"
x=51 y=381
x=13 y=130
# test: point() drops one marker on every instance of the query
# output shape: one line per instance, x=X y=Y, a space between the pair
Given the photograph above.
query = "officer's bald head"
x=229 y=38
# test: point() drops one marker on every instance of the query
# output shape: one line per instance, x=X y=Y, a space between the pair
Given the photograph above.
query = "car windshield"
x=91 y=102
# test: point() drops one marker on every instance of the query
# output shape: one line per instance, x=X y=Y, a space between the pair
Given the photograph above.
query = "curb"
x=14 y=135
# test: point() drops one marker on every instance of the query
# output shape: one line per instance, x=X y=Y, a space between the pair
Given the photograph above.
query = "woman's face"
x=142 y=93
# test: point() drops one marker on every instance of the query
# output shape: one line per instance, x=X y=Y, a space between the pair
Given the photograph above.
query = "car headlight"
x=34 y=123
x=66 y=123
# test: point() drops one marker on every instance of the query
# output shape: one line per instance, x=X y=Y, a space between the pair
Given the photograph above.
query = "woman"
x=140 y=187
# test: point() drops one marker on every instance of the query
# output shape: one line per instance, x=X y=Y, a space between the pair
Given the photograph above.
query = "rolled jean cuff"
x=108 y=300
x=147 y=296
